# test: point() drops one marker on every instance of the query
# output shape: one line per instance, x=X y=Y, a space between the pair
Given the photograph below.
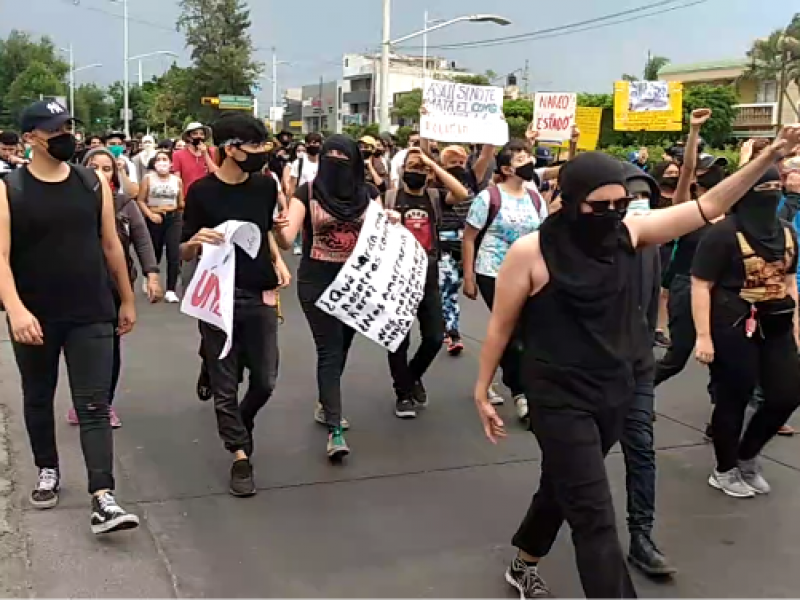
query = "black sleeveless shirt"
x=580 y=362
x=57 y=256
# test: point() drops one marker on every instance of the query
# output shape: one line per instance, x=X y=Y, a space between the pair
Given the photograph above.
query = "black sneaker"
x=203 y=385
x=108 y=516
x=645 y=556
x=242 y=482
x=709 y=433
x=420 y=395
x=661 y=340
x=45 y=494
x=405 y=408
x=526 y=580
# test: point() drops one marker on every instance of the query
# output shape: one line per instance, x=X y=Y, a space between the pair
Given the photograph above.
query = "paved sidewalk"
x=421 y=509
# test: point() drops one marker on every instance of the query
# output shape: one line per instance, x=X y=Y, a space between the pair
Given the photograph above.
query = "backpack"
x=123 y=224
x=428 y=244
x=495 y=200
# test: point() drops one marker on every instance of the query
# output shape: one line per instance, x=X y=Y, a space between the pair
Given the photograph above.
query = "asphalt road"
x=422 y=508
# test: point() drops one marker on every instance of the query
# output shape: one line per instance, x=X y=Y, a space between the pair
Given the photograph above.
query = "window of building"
x=346 y=63
x=767 y=91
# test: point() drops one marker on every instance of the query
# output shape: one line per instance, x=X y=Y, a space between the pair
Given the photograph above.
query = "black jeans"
x=88 y=353
x=681 y=330
x=640 y=458
x=116 y=360
x=168 y=234
x=406 y=373
x=512 y=356
x=739 y=364
x=333 y=340
x=255 y=346
x=574 y=486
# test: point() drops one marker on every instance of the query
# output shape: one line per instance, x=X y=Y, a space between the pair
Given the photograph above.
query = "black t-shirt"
x=684 y=252
x=719 y=260
x=57 y=256
x=327 y=241
x=210 y=202
x=419 y=216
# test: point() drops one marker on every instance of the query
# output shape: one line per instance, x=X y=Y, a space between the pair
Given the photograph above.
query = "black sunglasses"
x=602 y=207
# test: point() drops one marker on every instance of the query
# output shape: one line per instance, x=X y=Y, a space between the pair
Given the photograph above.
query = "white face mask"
x=162 y=167
x=640 y=206
x=301 y=155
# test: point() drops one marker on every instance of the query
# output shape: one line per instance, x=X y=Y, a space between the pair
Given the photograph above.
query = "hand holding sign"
x=554 y=115
x=207 y=236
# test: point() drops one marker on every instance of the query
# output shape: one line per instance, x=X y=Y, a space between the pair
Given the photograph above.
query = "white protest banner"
x=554 y=115
x=461 y=113
x=379 y=288
x=209 y=296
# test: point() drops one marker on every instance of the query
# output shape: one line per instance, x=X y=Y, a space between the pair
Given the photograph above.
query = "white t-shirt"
x=397 y=163
x=309 y=171
x=133 y=174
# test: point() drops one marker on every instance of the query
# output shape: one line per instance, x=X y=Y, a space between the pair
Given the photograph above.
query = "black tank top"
x=56 y=253
x=574 y=362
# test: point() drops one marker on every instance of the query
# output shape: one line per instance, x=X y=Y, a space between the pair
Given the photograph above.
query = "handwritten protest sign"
x=379 y=288
x=457 y=112
x=209 y=296
x=554 y=115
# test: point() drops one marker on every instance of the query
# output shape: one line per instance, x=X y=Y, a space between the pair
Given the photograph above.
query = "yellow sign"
x=295 y=123
x=587 y=120
x=648 y=106
x=209 y=101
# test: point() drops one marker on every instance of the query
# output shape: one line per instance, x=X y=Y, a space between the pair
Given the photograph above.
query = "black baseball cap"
x=47 y=115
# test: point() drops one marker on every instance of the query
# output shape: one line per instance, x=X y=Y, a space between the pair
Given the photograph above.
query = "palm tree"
x=777 y=58
x=651 y=68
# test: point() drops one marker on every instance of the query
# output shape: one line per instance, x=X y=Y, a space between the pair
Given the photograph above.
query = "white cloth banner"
x=209 y=296
x=457 y=112
x=379 y=288
x=554 y=115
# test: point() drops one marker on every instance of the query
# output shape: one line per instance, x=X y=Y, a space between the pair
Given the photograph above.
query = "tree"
x=93 y=106
x=407 y=105
x=36 y=80
x=720 y=99
x=652 y=66
x=169 y=103
x=217 y=31
x=471 y=79
x=777 y=58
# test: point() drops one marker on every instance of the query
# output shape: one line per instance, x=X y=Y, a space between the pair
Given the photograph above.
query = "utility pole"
x=385 y=122
x=71 y=81
x=274 y=82
x=127 y=83
x=527 y=77
x=425 y=50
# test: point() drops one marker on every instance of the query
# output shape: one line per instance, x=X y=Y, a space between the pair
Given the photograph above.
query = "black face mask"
x=597 y=234
x=197 y=141
x=312 y=150
x=254 y=162
x=459 y=173
x=366 y=153
x=285 y=141
x=525 y=172
x=415 y=181
x=62 y=147
x=377 y=153
x=710 y=179
x=342 y=177
x=669 y=183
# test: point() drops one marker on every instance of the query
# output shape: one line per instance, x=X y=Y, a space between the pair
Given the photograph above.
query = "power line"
x=587 y=25
x=132 y=19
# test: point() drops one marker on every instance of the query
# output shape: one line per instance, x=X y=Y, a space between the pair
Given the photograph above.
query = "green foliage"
x=408 y=105
x=402 y=134
x=720 y=99
x=471 y=79
x=218 y=32
x=93 y=106
x=37 y=79
x=359 y=131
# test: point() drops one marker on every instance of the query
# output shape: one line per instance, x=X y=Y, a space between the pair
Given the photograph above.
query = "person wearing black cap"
x=744 y=304
x=572 y=280
x=54 y=267
x=637 y=433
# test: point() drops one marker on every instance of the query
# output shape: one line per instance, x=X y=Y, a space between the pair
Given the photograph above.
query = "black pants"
x=88 y=353
x=255 y=346
x=640 y=458
x=681 y=330
x=168 y=234
x=116 y=359
x=510 y=361
x=574 y=486
x=431 y=325
x=333 y=340
x=739 y=364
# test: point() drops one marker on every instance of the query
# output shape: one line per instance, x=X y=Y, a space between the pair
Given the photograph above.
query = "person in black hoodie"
x=573 y=280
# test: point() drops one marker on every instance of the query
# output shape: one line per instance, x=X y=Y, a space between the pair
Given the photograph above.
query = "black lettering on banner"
x=328 y=306
x=336 y=296
x=371 y=241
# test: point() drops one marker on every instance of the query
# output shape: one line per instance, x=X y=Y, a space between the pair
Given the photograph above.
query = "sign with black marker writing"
x=379 y=288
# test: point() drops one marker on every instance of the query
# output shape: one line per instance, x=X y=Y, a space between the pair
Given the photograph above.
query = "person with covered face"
x=329 y=211
x=196 y=158
x=574 y=280
x=420 y=206
x=744 y=304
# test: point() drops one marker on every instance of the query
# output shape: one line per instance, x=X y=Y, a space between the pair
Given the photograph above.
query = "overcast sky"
x=313 y=34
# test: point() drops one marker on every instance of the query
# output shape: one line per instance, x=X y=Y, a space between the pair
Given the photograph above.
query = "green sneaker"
x=337 y=447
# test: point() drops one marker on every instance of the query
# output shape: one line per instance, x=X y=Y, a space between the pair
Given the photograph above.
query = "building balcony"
x=752 y=119
x=358 y=97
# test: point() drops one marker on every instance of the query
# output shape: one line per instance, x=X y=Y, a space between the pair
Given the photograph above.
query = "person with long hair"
x=573 y=280
x=329 y=212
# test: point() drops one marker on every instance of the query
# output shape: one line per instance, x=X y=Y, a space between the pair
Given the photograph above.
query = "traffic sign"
x=209 y=101
x=235 y=102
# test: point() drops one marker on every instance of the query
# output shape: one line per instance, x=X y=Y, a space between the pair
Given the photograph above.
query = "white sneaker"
x=731 y=483
x=521 y=404
x=144 y=287
x=495 y=399
x=171 y=298
x=751 y=474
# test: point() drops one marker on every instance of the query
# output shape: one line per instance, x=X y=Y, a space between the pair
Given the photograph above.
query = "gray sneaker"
x=731 y=483
x=751 y=474
x=319 y=417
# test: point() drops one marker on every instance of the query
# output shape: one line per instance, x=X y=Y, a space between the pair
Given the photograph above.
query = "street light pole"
x=425 y=50
x=385 y=47
x=141 y=57
x=71 y=80
x=126 y=72
x=274 y=83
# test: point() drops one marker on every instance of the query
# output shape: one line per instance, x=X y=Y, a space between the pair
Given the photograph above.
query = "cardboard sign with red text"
x=209 y=296
x=554 y=115
x=461 y=113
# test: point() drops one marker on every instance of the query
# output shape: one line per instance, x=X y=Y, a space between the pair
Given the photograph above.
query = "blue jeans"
x=640 y=459
x=450 y=283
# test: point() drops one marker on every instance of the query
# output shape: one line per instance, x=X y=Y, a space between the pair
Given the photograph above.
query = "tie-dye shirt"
x=517 y=217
